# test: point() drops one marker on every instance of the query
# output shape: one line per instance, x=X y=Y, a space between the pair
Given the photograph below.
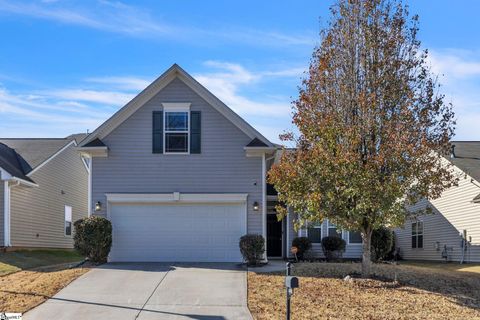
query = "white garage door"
x=177 y=232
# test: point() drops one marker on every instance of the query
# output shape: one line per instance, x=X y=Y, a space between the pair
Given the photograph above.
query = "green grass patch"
x=448 y=266
x=28 y=259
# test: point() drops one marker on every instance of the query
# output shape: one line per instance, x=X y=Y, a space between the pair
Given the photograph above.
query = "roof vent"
x=452 y=151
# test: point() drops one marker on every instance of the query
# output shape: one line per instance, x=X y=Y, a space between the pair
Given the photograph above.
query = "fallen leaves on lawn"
x=23 y=290
x=323 y=294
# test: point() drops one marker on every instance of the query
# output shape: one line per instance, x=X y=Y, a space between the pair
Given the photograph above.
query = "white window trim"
x=417 y=234
x=65 y=220
x=176 y=107
x=350 y=243
x=316 y=227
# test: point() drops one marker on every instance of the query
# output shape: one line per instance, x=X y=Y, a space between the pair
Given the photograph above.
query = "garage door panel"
x=177 y=232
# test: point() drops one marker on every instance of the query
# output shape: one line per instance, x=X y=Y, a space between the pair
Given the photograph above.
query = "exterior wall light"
x=98 y=206
x=255 y=206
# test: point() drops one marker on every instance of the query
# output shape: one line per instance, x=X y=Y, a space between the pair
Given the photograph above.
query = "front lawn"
x=420 y=293
x=23 y=290
x=29 y=259
x=28 y=278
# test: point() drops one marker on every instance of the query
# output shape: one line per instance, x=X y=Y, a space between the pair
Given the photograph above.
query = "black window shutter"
x=157 y=133
x=195 y=131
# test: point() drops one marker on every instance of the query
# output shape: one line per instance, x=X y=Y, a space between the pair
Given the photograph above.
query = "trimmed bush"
x=93 y=238
x=333 y=247
x=303 y=244
x=252 y=248
x=382 y=242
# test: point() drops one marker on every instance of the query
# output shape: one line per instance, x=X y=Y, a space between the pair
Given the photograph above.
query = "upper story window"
x=176 y=131
x=417 y=234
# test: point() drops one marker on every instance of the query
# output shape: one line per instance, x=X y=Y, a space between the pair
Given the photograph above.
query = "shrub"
x=382 y=242
x=252 y=248
x=333 y=247
x=93 y=238
x=303 y=244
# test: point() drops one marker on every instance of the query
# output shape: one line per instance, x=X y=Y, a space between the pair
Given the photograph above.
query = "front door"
x=274 y=236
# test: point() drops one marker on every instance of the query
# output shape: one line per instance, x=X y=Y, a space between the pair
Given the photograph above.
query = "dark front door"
x=274 y=236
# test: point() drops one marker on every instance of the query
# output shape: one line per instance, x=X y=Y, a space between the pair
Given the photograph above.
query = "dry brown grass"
x=23 y=290
x=420 y=293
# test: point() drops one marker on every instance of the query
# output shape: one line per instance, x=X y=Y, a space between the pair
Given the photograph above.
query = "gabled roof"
x=175 y=71
x=13 y=163
x=467 y=157
x=256 y=143
x=95 y=143
x=23 y=155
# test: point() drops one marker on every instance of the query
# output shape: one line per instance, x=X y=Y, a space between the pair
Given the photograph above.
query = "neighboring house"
x=439 y=236
x=43 y=190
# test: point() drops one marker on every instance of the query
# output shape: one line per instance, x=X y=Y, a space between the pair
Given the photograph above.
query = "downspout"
x=6 y=212
x=89 y=196
x=264 y=204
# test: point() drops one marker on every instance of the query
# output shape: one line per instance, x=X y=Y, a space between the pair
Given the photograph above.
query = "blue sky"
x=66 y=66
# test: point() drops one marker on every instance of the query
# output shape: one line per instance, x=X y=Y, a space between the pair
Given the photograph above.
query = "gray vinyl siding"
x=2 y=199
x=453 y=213
x=352 y=251
x=221 y=167
x=40 y=210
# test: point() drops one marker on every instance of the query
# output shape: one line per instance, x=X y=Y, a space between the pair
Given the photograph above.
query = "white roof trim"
x=101 y=152
x=51 y=157
x=176 y=106
x=176 y=197
x=156 y=86
x=6 y=176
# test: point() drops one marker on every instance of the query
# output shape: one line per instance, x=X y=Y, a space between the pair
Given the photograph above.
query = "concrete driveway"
x=151 y=291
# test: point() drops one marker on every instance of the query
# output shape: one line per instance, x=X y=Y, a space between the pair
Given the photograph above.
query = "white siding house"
x=438 y=236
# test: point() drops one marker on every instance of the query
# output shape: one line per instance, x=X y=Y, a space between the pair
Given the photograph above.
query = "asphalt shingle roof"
x=19 y=156
x=467 y=157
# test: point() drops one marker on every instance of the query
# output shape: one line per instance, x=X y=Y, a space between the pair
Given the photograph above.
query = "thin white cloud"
x=103 y=97
x=117 y=17
x=227 y=83
x=48 y=113
x=107 y=16
x=459 y=74
x=458 y=64
x=130 y=83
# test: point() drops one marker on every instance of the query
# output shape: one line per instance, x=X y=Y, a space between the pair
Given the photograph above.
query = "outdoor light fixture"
x=255 y=206
x=98 y=206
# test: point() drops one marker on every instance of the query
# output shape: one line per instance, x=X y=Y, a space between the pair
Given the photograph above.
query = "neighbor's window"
x=417 y=234
x=333 y=231
x=176 y=132
x=314 y=232
x=68 y=220
x=354 y=237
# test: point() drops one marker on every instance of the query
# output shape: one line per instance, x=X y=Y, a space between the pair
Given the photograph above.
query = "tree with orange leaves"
x=373 y=128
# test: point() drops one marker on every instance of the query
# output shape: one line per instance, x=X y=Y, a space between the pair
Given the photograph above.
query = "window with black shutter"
x=195 y=128
x=157 y=135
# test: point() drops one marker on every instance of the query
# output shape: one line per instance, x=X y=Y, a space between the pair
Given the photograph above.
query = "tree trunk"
x=367 y=254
